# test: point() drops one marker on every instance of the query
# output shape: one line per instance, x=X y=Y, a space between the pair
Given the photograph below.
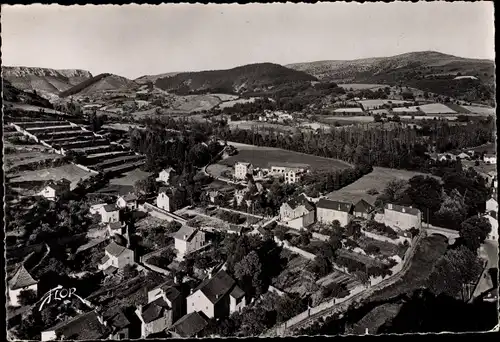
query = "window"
x=192 y=304
x=206 y=307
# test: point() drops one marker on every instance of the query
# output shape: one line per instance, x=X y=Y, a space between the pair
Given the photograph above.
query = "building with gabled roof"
x=110 y=213
x=87 y=326
x=114 y=228
x=363 y=209
x=55 y=190
x=298 y=212
x=328 y=211
x=119 y=325
x=490 y=158
x=190 y=325
x=188 y=239
x=241 y=170
x=116 y=257
x=165 y=175
x=492 y=204
x=127 y=201
x=164 y=199
x=402 y=217
x=217 y=296
x=21 y=281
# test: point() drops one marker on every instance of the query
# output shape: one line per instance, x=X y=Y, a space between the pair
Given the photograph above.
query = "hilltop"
x=152 y=78
x=247 y=78
x=101 y=82
x=15 y=95
x=427 y=70
x=46 y=82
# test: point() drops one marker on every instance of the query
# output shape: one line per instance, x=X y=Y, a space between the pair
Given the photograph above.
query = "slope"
x=15 y=95
x=101 y=82
x=252 y=77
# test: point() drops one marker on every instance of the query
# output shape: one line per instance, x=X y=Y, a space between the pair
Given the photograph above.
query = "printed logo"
x=59 y=293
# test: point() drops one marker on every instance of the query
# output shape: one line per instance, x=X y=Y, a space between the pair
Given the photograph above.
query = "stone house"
x=328 y=211
x=363 y=209
x=241 y=170
x=297 y=213
x=164 y=199
x=490 y=158
x=110 y=213
x=86 y=326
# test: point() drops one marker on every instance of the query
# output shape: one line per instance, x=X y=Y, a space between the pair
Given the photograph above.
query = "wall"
x=400 y=239
x=199 y=302
x=126 y=258
x=401 y=220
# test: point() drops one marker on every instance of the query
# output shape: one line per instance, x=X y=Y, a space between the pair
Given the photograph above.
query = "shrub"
x=335 y=290
x=372 y=249
x=350 y=264
x=350 y=243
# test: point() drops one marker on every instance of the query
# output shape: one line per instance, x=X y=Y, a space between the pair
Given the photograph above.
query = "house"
x=127 y=201
x=165 y=175
x=190 y=325
x=116 y=257
x=281 y=170
x=402 y=217
x=363 y=209
x=55 y=190
x=96 y=208
x=188 y=239
x=163 y=309
x=164 y=199
x=213 y=195
x=115 y=228
x=239 y=194
x=119 y=325
x=86 y=326
x=110 y=213
x=492 y=217
x=492 y=205
x=490 y=158
x=328 y=211
x=21 y=281
x=217 y=296
x=293 y=175
x=241 y=170
x=463 y=155
x=297 y=213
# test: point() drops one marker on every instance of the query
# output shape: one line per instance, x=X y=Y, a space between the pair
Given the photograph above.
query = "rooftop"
x=115 y=249
x=21 y=279
x=83 y=327
x=110 y=208
x=363 y=206
x=334 y=205
x=185 y=233
x=300 y=200
x=402 y=209
x=217 y=286
x=189 y=325
x=129 y=197
x=154 y=310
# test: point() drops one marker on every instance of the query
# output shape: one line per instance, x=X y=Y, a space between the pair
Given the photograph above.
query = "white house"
x=281 y=170
x=163 y=201
x=493 y=219
x=163 y=309
x=297 y=213
x=490 y=158
x=166 y=175
x=402 y=217
x=21 y=281
x=463 y=155
x=127 y=201
x=116 y=257
x=86 y=326
x=188 y=239
x=96 y=208
x=110 y=213
x=54 y=190
x=328 y=211
x=492 y=205
x=242 y=169
x=217 y=296
x=293 y=175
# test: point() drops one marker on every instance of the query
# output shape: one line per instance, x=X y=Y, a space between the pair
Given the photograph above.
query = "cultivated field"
x=430 y=108
x=480 y=110
x=256 y=125
x=226 y=97
x=348 y=119
x=193 y=103
x=377 y=180
x=370 y=104
x=425 y=117
x=265 y=157
x=231 y=103
x=24 y=158
x=69 y=171
x=361 y=86
x=129 y=178
x=348 y=110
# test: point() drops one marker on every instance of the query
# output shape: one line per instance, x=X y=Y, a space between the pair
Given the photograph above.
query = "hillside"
x=45 y=82
x=426 y=70
x=15 y=95
x=247 y=78
x=152 y=78
x=101 y=82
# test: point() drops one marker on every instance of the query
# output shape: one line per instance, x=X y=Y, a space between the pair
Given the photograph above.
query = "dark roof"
x=65 y=181
x=110 y=207
x=185 y=233
x=493 y=214
x=118 y=320
x=110 y=270
x=62 y=185
x=363 y=206
x=170 y=292
x=237 y=292
x=164 y=189
x=189 y=325
x=115 y=225
x=83 y=327
x=217 y=286
x=402 y=209
x=21 y=279
x=104 y=259
x=334 y=205
x=154 y=310
x=300 y=200
x=130 y=197
x=115 y=249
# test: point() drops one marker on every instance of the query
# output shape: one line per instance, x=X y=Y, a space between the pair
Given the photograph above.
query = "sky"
x=136 y=40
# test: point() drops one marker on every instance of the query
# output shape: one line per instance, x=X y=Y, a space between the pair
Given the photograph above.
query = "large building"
x=291 y=175
x=328 y=211
x=402 y=217
x=363 y=209
x=188 y=239
x=297 y=213
x=164 y=199
x=217 y=296
x=241 y=170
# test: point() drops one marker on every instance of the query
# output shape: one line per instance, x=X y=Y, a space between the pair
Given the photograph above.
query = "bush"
x=335 y=290
x=351 y=265
x=372 y=249
x=350 y=243
x=27 y=297
x=382 y=229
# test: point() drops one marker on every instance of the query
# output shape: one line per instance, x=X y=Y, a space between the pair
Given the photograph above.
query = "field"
x=231 y=103
x=430 y=108
x=370 y=104
x=425 y=117
x=129 y=178
x=361 y=86
x=23 y=158
x=69 y=171
x=257 y=125
x=315 y=125
x=226 y=97
x=264 y=157
x=377 y=180
x=348 y=119
x=349 y=110
x=480 y=110
x=193 y=103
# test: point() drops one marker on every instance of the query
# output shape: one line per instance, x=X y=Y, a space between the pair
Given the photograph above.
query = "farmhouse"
x=21 y=281
x=55 y=190
x=363 y=209
x=297 y=213
x=164 y=199
x=110 y=213
x=492 y=204
x=163 y=309
x=402 y=217
x=127 y=201
x=490 y=158
x=217 y=296
x=329 y=211
x=87 y=326
x=279 y=170
x=190 y=325
x=165 y=175
x=116 y=257
x=187 y=240
x=241 y=170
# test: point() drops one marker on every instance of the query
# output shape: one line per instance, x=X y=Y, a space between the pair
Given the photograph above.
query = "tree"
x=353 y=229
x=146 y=186
x=377 y=118
x=130 y=271
x=474 y=231
x=173 y=226
x=288 y=306
x=362 y=277
x=453 y=210
x=250 y=268
x=27 y=297
x=321 y=266
x=280 y=232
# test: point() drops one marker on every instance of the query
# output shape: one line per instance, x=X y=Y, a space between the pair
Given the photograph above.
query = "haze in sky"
x=136 y=40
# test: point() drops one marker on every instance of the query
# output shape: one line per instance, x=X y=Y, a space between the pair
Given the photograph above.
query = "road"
x=337 y=306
